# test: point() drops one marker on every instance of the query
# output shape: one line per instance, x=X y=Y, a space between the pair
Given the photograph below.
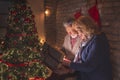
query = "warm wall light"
x=47 y=12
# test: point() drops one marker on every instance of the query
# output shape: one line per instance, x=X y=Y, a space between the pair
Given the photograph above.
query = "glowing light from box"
x=42 y=40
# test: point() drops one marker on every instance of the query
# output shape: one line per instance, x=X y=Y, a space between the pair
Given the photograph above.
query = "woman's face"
x=80 y=32
x=72 y=32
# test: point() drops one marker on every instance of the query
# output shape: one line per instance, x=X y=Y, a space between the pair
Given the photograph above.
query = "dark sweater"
x=95 y=60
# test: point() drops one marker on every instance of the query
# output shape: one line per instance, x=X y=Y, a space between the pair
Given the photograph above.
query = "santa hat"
x=77 y=14
x=94 y=13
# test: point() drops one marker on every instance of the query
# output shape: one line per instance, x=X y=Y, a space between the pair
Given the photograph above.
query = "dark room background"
x=51 y=29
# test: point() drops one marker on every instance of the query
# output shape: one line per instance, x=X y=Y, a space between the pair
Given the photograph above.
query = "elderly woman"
x=70 y=48
x=72 y=40
x=92 y=61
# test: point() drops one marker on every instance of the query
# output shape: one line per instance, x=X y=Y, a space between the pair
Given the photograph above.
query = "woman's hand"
x=66 y=61
x=62 y=70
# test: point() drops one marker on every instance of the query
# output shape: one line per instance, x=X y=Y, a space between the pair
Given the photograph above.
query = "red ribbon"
x=38 y=78
x=18 y=35
x=13 y=65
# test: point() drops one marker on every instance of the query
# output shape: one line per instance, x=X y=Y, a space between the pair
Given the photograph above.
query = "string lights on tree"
x=21 y=58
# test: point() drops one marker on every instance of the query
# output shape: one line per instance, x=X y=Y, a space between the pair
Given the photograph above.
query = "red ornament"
x=9 y=77
x=23 y=7
x=0 y=60
x=27 y=20
x=13 y=12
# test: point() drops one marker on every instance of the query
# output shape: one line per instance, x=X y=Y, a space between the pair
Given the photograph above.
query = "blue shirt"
x=95 y=60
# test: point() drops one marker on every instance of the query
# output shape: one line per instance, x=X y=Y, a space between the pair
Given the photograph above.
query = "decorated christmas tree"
x=21 y=58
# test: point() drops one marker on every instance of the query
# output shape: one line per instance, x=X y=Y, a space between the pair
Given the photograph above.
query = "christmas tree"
x=21 y=58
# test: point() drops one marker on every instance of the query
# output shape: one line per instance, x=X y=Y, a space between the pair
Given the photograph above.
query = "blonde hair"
x=86 y=25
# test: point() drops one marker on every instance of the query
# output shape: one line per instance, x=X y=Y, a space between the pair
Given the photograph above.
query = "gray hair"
x=68 y=22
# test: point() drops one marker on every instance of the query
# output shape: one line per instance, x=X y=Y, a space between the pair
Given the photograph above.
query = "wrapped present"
x=52 y=56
